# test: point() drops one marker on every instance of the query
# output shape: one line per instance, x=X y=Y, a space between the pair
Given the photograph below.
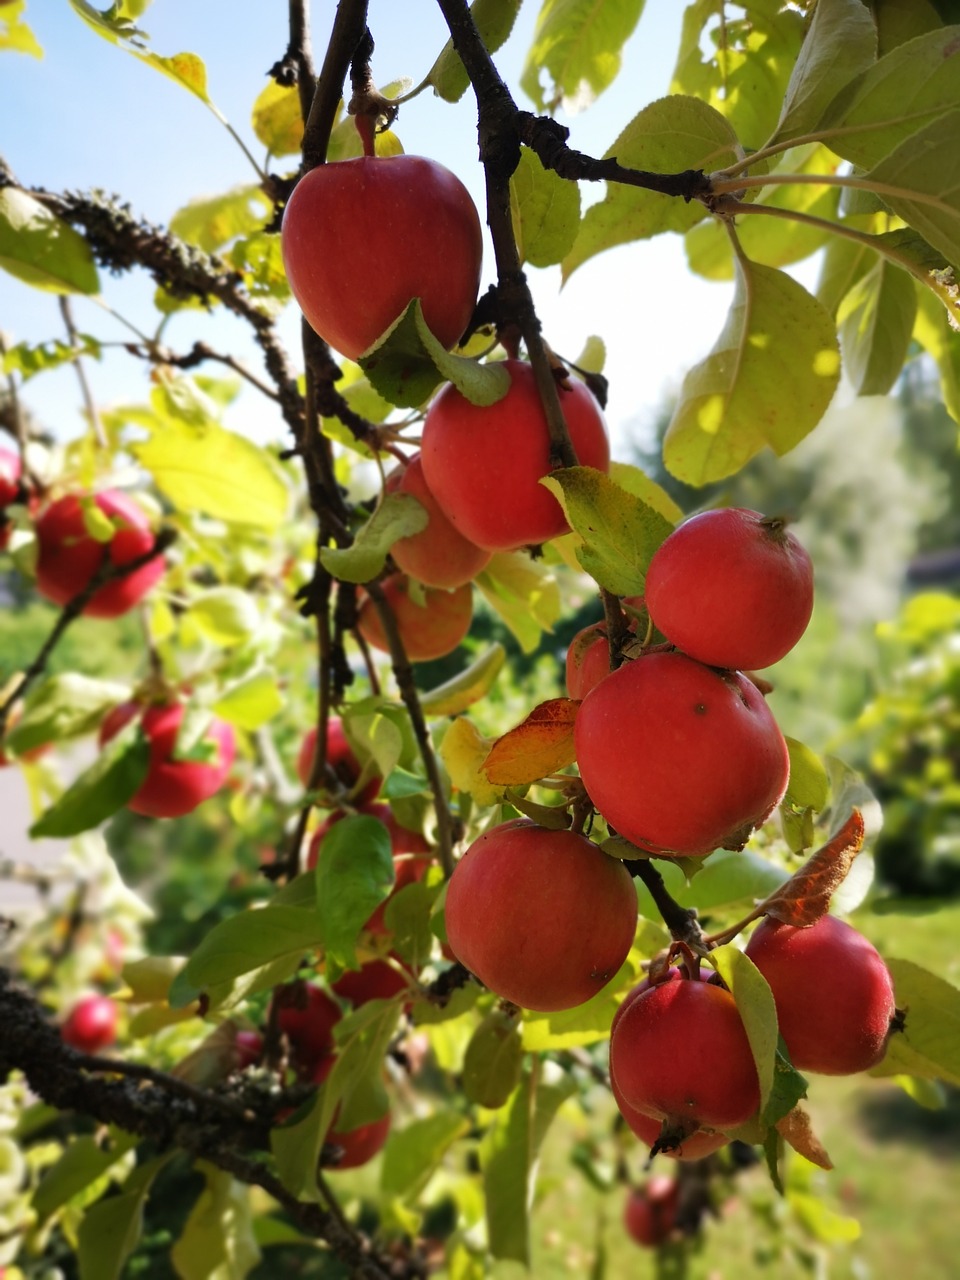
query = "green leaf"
x=756 y=1007
x=15 y=35
x=929 y=1045
x=211 y=221
x=637 y=482
x=906 y=90
x=508 y=1157
x=397 y=516
x=726 y=882
x=208 y=469
x=768 y=380
x=85 y=1161
x=844 y=263
x=494 y=21
x=242 y=943
x=620 y=532
x=101 y=790
x=251 y=702
x=545 y=211
x=578 y=44
x=469 y=686
x=587 y=1023
x=276 y=118
x=63 y=706
x=217 y=1241
x=748 y=90
x=774 y=241
x=111 y=1230
x=29 y=360
x=40 y=249
x=876 y=324
x=355 y=873
x=668 y=136
x=413 y=1153
x=493 y=1061
x=840 y=43
x=937 y=336
x=523 y=593
x=407 y=363
x=808 y=792
x=407 y=917
x=920 y=181
x=901 y=20
x=225 y=616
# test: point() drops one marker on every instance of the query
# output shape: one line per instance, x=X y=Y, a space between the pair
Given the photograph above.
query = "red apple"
x=361 y=238
x=731 y=588
x=91 y=1025
x=680 y=1055
x=439 y=555
x=483 y=463
x=834 y=994
x=588 y=660
x=679 y=758
x=429 y=630
x=358 y=1145
x=68 y=556
x=375 y=980
x=249 y=1048
x=307 y=1016
x=650 y=1212
x=543 y=918
x=172 y=786
x=10 y=490
x=340 y=758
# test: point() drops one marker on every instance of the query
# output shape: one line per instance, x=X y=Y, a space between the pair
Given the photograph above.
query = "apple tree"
x=413 y=912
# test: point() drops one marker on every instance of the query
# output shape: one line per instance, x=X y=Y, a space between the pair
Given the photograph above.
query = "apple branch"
x=170 y=1115
x=681 y=921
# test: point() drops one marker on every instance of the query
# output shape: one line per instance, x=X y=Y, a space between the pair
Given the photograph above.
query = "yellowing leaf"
x=185 y=68
x=795 y=1128
x=524 y=593
x=276 y=118
x=463 y=752
x=805 y=897
x=767 y=381
x=539 y=745
x=15 y=35
x=472 y=684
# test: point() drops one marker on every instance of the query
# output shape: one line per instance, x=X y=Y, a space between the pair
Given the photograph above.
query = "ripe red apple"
x=307 y=1016
x=834 y=994
x=10 y=490
x=679 y=758
x=543 y=918
x=375 y=980
x=439 y=555
x=249 y=1048
x=361 y=238
x=429 y=630
x=731 y=588
x=68 y=556
x=484 y=463
x=359 y=1145
x=650 y=1212
x=91 y=1025
x=340 y=758
x=172 y=786
x=680 y=1055
x=588 y=660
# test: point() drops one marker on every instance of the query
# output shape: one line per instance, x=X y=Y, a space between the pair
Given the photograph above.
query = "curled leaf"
x=805 y=897
x=539 y=745
x=796 y=1129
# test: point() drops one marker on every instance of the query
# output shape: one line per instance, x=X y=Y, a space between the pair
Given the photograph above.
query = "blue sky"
x=89 y=115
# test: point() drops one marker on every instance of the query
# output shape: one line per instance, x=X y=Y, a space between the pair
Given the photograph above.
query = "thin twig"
x=93 y=413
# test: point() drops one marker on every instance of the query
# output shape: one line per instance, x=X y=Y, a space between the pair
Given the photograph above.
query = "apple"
x=544 y=918
x=68 y=555
x=731 y=588
x=91 y=1025
x=358 y=1145
x=439 y=555
x=173 y=786
x=680 y=1055
x=834 y=995
x=680 y=758
x=375 y=980
x=650 y=1211
x=588 y=660
x=484 y=463
x=11 y=490
x=362 y=238
x=249 y=1048
x=307 y=1015
x=340 y=758
x=427 y=631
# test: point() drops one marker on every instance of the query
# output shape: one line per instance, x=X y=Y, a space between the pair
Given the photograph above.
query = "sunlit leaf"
x=15 y=35
x=111 y=1230
x=469 y=686
x=28 y=360
x=217 y=1239
x=40 y=249
x=211 y=221
x=928 y=1046
x=756 y=1007
x=768 y=380
x=525 y=595
x=494 y=21
x=540 y=745
x=250 y=702
x=62 y=706
x=276 y=118
x=99 y=791
x=578 y=44
x=493 y=1061
x=936 y=335
x=545 y=210
x=83 y=1162
x=463 y=751
x=670 y=135
x=840 y=43
x=876 y=323
x=225 y=616
x=397 y=516
x=355 y=873
x=186 y=69
x=413 y=1153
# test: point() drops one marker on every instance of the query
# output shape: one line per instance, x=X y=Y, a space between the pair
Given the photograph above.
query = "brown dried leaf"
x=796 y=1129
x=541 y=744
x=805 y=897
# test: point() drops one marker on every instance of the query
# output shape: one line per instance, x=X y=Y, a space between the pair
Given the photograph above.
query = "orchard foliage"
x=605 y=856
